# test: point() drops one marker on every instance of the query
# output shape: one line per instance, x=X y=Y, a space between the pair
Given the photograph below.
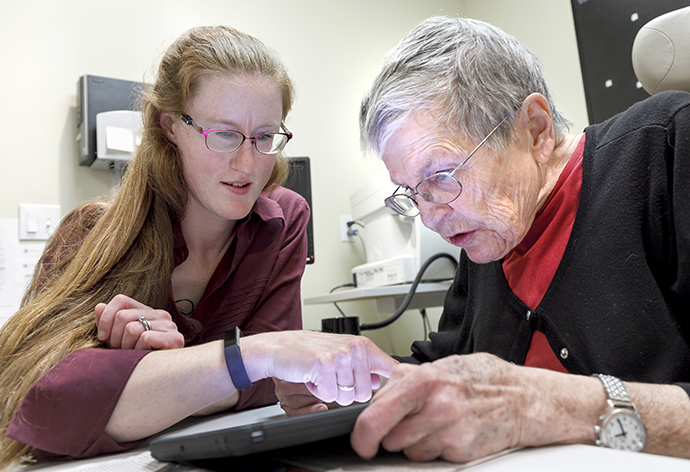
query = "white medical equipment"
x=396 y=246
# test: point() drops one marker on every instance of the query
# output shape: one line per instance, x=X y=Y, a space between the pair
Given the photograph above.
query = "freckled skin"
x=246 y=104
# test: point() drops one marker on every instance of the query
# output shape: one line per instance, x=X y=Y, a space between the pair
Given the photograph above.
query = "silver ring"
x=345 y=388
x=146 y=323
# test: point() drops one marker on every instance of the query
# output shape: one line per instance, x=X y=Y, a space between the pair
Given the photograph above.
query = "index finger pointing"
x=381 y=363
x=374 y=423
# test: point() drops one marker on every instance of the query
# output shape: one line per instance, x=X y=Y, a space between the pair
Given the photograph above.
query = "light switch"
x=31 y=221
x=37 y=222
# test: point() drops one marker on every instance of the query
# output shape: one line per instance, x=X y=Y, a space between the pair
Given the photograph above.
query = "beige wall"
x=332 y=50
x=547 y=28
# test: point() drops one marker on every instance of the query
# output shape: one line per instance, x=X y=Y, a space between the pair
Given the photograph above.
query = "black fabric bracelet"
x=233 y=359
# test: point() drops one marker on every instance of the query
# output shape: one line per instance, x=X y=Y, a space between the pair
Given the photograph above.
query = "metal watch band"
x=615 y=389
x=630 y=433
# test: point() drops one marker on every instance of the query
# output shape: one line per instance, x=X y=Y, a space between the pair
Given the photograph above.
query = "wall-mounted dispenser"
x=118 y=134
x=108 y=127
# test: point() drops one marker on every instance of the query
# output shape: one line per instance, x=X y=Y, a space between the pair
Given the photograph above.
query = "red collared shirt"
x=531 y=265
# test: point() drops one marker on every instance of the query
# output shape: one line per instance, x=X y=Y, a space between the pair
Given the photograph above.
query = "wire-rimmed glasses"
x=440 y=188
x=227 y=140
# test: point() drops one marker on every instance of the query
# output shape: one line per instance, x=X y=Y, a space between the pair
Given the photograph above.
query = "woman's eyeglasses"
x=225 y=140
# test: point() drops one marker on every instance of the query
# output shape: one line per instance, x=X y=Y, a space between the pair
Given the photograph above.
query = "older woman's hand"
x=462 y=408
x=119 y=326
x=295 y=399
x=334 y=368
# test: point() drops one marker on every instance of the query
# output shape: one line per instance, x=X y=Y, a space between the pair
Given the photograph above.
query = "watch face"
x=625 y=431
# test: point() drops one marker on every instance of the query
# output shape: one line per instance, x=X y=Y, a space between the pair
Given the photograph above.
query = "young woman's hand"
x=334 y=368
x=123 y=324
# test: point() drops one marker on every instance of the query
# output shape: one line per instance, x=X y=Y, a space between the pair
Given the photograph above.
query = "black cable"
x=410 y=294
x=185 y=312
x=354 y=232
x=422 y=311
x=342 y=313
x=364 y=246
x=341 y=286
x=334 y=303
x=355 y=222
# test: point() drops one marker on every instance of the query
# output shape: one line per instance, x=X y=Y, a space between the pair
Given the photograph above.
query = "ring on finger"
x=346 y=388
x=146 y=323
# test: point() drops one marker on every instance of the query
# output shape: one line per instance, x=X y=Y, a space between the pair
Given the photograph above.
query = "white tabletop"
x=569 y=458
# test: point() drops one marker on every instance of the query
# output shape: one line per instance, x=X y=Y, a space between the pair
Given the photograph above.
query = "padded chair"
x=661 y=52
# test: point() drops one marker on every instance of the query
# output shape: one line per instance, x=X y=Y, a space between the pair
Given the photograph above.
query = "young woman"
x=199 y=239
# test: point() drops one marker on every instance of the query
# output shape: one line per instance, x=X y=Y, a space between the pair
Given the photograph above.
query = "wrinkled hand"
x=295 y=399
x=459 y=408
x=334 y=368
x=119 y=326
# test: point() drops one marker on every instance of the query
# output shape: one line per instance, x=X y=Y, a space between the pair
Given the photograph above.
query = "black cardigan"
x=619 y=302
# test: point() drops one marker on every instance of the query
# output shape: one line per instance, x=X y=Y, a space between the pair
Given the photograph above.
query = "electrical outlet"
x=344 y=237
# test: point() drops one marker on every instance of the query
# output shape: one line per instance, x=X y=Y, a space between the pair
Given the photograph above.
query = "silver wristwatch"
x=621 y=426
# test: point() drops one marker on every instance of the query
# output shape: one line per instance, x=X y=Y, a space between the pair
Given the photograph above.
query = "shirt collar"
x=265 y=209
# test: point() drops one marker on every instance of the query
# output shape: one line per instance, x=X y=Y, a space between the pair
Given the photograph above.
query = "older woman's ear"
x=536 y=118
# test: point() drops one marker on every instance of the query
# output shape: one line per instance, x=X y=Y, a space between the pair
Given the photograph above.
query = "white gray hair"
x=468 y=74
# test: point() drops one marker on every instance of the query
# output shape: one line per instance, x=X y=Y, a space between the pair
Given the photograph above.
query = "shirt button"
x=564 y=353
x=529 y=315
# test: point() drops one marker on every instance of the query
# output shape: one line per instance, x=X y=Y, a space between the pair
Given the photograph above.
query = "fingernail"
x=101 y=334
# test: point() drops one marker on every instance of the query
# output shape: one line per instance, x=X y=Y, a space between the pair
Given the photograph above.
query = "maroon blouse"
x=256 y=286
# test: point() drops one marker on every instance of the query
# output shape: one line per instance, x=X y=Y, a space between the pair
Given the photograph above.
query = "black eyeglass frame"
x=188 y=120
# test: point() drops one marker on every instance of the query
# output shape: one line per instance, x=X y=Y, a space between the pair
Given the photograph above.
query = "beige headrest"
x=661 y=52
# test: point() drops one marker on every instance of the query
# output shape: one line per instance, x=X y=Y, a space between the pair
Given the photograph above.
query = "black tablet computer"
x=253 y=431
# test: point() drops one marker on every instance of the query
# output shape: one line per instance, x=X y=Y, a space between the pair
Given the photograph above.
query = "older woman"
x=569 y=317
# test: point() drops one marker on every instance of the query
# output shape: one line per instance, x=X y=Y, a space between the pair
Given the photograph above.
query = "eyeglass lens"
x=228 y=141
x=439 y=188
x=403 y=204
